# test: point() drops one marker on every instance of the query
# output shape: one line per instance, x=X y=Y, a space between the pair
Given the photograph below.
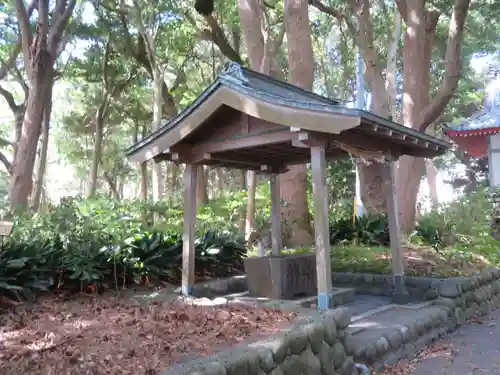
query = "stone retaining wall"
x=315 y=345
x=458 y=299
x=220 y=287
x=465 y=297
x=405 y=340
x=319 y=344
x=420 y=288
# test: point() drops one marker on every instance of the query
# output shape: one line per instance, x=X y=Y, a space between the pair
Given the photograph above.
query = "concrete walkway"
x=472 y=349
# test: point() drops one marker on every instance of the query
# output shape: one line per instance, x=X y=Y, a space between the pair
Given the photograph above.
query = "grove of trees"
x=81 y=81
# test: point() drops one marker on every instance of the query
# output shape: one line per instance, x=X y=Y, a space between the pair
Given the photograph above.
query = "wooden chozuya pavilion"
x=247 y=120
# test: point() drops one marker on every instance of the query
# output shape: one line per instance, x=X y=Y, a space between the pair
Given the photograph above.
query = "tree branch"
x=59 y=74
x=9 y=98
x=10 y=62
x=148 y=39
x=216 y=35
x=181 y=75
x=107 y=51
x=6 y=162
x=403 y=9
x=63 y=12
x=18 y=76
x=364 y=38
x=26 y=34
x=453 y=65
x=4 y=143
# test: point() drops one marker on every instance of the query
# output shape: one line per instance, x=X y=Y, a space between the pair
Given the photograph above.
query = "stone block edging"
x=464 y=298
x=420 y=288
x=459 y=299
x=314 y=345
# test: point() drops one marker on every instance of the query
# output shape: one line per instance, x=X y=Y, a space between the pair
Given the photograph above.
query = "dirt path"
x=473 y=349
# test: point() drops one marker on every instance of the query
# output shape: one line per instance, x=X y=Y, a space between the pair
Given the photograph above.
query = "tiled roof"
x=254 y=84
x=489 y=118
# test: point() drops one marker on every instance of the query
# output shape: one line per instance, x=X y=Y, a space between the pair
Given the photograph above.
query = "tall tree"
x=293 y=184
x=40 y=50
x=261 y=47
x=419 y=109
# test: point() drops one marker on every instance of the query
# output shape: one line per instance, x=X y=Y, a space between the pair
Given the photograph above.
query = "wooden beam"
x=313 y=139
x=398 y=272
x=275 y=215
x=254 y=159
x=188 y=238
x=321 y=227
x=246 y=142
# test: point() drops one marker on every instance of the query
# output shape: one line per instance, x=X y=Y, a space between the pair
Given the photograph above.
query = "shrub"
x=463 y=226
x=371 y=230
x=103 y=244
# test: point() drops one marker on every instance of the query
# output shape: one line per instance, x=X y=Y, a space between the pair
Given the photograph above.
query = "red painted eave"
x=475 y=132
x=473 y=142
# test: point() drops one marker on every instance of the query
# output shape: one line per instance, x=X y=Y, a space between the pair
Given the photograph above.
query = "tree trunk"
x=432 y=174
x=175 y=181
x=114 y=187
x=40 y=51
x=251 y=22
x=201 y=187
x=391 y=71
x=143 y=167
x=418 y=110
x=21 y=183
x=293 y=184
x=44 y=147
x=250 y=211
x=219 y=183
x=144 y=181
x=242 y=187
x=416 y=75
x=97 y=152
x=158 y=179
x=372 y=175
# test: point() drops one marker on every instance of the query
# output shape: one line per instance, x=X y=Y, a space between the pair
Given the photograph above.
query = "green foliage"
x=25 y=269
x=107 y=244
x=462 y=225
x=363 y=259
x=371 y=230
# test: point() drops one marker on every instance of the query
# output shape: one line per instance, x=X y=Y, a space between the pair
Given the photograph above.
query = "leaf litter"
x=407 y=366
x=97 y=335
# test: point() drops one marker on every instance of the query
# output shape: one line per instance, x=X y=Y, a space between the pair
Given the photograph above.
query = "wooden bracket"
x=310 y=139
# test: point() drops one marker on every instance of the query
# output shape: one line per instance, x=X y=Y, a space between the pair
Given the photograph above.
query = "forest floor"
x=423 y=260
x=471 y=350
x=419 y=260
x=112 y=335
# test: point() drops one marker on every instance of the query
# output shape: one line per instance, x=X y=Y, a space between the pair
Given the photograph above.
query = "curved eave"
x=267 y=107
x=175 y=121
x=306 y=115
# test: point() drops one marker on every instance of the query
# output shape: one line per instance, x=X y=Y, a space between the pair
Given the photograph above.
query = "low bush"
x=370 y=230
x=104 y=244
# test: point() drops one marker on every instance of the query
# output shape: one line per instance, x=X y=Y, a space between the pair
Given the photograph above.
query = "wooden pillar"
x=321 y=227
x=188 y=238
x=398 y=271
x=275 y=215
